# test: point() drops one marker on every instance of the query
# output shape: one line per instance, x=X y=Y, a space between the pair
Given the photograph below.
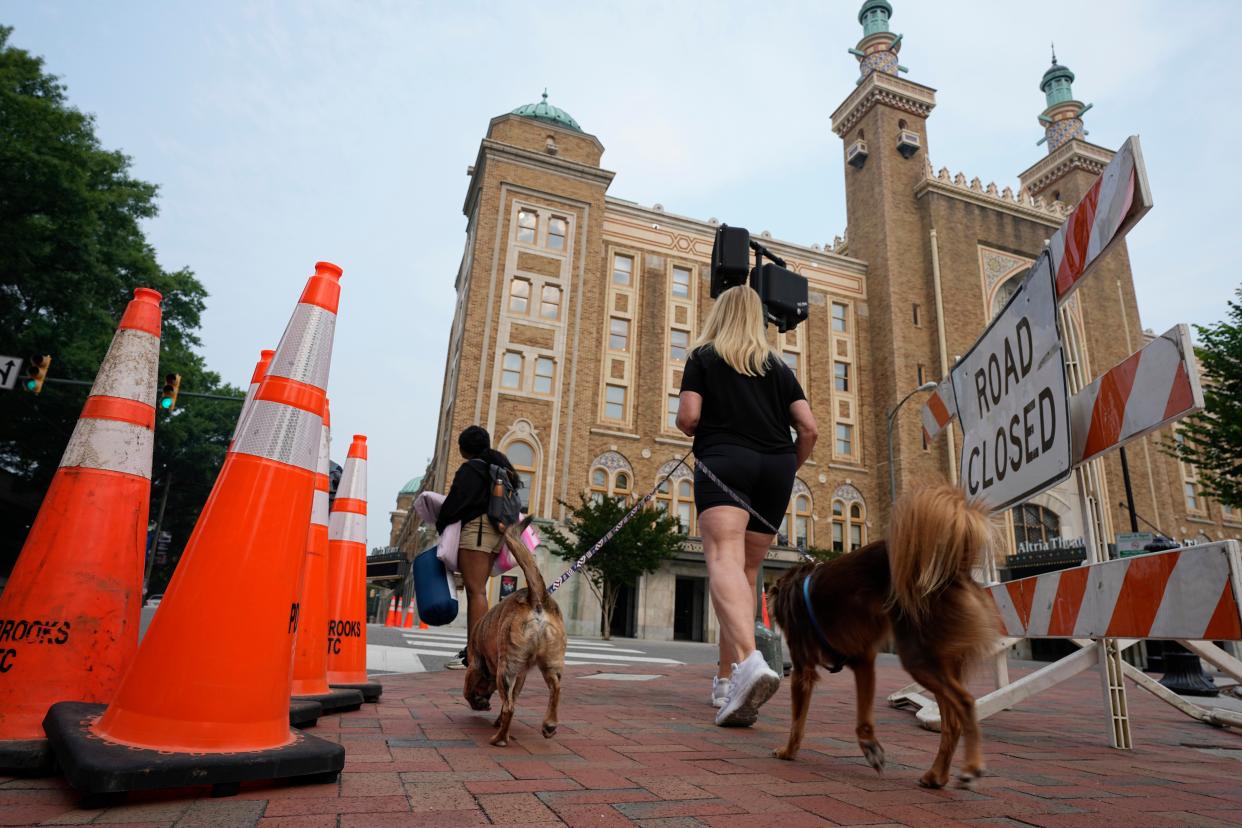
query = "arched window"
x=1033 y=523
x=676 y=497
x=796 y=526
x=849 y=519
x=522 y=455
x=611 y=476
x=1007 y=289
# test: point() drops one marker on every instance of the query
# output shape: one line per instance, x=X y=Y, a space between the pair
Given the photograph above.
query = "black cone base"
x=1183 y=674
x=304 y=712
x=337 y=700
x=94 y=766
x=26 y=757
x=371 y=690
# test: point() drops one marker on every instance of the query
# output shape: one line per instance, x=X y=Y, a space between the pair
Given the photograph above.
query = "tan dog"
x=523 y=630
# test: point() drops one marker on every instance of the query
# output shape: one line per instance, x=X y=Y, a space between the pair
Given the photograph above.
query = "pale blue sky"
x=281 y=133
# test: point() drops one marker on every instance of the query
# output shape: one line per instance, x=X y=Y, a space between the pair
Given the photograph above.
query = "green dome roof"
x=875 y=4
x=544 y=111
x=1056 y=71
x=412 y=486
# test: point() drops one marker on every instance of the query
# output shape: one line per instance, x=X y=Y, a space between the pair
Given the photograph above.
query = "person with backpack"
x=484 y=493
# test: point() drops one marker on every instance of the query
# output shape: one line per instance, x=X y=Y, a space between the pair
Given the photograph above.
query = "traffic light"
x=36 y=372
x=168 y=397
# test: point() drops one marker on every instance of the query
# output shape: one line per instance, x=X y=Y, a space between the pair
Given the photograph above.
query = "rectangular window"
x=791 y=359
x=679 y=343
x=550 y=305
x=622 y=270
x=511 y=371
x=915 y=314
x=838 y=318
x=800 y=532
x=674 y=400
x=855 y=535
x=556 y=233
x=1192 y=497
x=545 y=367
x=919 y=374
x=527 y=222
x=839 y=321
x=681 y=283
x=619 y=334
x=1228 y=513
x=838 y=536
x=519 y=296
x=841 y=376
x=845 y=439
x=683 y=517
x=614 y=402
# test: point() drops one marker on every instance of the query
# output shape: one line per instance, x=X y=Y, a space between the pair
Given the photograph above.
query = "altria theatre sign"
x=1023 y=431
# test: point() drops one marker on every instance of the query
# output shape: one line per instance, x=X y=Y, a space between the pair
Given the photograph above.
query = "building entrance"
x=625 y=614
x=690 y=609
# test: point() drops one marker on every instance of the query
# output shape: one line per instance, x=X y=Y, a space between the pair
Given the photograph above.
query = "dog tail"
x=534 y=578
x=936 y=536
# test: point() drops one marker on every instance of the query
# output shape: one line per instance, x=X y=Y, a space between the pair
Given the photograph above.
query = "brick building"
x=575 y=310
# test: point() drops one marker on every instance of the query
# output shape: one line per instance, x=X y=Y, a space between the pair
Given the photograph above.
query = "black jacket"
x=467 y=497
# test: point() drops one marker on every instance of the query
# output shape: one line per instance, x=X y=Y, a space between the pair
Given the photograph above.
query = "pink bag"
x=505 y=561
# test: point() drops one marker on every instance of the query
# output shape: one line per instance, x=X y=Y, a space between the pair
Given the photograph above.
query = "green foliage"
x=72 y=250
x=650 y=538
x=1212 y=439
x=819 y=553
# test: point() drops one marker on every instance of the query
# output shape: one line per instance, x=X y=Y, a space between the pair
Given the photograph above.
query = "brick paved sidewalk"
x=646 y=752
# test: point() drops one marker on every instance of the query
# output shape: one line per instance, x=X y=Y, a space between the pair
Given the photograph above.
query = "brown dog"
x=523 y=630
x=916 y=588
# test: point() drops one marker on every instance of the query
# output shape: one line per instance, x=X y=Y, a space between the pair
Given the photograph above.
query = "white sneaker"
x=720 y=691
x=751 y=684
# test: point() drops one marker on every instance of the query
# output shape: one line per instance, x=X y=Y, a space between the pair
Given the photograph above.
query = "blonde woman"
x=739 y=401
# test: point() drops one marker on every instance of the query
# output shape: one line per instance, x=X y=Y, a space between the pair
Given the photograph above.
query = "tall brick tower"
x=1106 y=311
x=883 y=126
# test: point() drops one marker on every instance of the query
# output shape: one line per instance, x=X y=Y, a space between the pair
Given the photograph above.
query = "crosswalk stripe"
x=446 y=641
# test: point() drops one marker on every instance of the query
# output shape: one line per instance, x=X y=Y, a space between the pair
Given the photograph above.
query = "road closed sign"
x=1012 y=399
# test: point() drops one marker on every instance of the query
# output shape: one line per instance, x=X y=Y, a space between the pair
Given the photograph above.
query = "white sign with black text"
x=1012 y=399
x=10 y=367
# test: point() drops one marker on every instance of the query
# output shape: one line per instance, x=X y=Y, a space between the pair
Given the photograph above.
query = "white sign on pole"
x=1013 y=401
x=10 y=369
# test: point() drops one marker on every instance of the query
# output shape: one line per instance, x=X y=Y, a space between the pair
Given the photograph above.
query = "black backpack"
x=504 y=506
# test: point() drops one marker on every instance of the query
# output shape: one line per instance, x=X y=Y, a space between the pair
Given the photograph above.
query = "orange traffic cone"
x=422 y=625
x=347 y=578
x=69 y=614
x=256 y=378
x=408 y=624
x=206 y=699
x=391 y=620
x=766 y=621
x=310 y=653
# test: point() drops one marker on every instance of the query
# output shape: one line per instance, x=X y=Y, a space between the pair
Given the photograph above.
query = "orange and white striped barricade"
x=1192 y=595
x=69 y=614
x=347 y=579
x=310 y=652
x=206 y=698
x=1149 y=389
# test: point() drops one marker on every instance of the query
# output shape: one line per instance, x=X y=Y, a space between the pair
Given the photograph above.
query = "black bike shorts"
x=762 y=481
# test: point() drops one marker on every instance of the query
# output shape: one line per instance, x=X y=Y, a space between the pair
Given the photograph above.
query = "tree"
x=639 y=547
x=72 y=250
x=1212 y=439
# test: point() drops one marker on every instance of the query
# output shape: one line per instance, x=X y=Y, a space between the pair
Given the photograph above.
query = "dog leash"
x=699 y=465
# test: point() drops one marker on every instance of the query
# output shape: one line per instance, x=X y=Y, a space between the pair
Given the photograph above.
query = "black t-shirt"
x=739 y=410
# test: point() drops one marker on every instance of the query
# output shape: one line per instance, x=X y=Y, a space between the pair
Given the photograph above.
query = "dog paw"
x=930 y=780
x=874 y=754
x=549 y=730
x=968 y=777
x=785 y=754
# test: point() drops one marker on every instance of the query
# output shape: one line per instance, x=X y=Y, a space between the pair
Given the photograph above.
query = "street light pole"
x=892 y=416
